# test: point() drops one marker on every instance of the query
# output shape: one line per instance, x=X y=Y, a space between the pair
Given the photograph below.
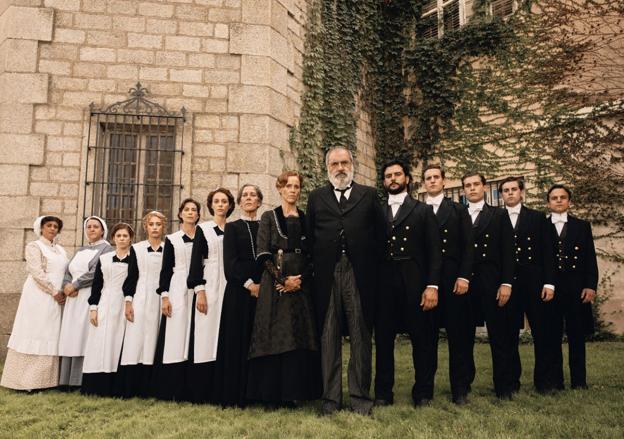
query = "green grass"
x=597 y=412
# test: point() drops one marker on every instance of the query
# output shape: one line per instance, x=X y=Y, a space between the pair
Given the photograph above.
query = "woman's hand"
x=291 y=284
x=59 y=297
x=254 y=290
x=129 y=312
x=93 y=317
x=165 y=307
x=70 y=291
x=201 y=303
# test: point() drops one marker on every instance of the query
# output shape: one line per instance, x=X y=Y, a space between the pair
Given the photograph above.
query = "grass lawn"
x=597 y=412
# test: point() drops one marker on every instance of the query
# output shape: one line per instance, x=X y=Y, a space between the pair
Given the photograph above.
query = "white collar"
x=559 y=217
x=435 y=201
x=345 y=190
x=248 y=218
x=101 y=241
x=516 y=209
x=476 y=206
x=397 y=198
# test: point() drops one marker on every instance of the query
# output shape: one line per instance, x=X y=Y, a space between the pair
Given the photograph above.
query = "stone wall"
x=235 y=65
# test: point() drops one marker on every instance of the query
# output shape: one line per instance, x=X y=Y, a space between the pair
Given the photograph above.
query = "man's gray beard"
x=340 y=183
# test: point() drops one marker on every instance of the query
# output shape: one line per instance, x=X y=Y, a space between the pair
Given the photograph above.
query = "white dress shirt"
x=435 y=201
x=347 y=193
x=474 y=209
x=514 y=213
x=395 y=201
x=559 y=220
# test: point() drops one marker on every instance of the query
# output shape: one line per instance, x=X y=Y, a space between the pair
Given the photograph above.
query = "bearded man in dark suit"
x=408 y=292
x=345 y=232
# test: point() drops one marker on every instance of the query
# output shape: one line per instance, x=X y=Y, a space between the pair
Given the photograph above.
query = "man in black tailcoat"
x=345 y=232
x=533 y=285
x=454 y=309
x=576 y=280
x=492 y=276
x=408 y=287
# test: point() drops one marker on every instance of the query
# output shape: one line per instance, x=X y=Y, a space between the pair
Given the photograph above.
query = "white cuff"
x=552 y=287
x=248 y=283
x=199 y=288
x=128 y=299
x=164 y=294
x=435 y=287
x=507 y=285
x=464 y=279
x=92 y=307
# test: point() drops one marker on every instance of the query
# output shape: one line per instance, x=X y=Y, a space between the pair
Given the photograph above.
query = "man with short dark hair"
x=345 y=232
x=454 y=309
x=408 y=287
x=576 y=281
x=492 y=276
x=533 y=286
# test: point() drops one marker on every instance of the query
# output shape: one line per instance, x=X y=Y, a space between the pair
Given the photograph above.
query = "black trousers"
x=457 y=316
x=526 y=298
x=397 y=312
x=345 y=310
x=501 y=324
x=568 y=312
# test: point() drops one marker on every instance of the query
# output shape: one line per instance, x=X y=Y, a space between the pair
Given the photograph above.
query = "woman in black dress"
x=239 y=301
x=284 y=362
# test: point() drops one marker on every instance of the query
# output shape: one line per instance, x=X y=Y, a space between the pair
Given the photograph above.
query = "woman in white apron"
x=107 y=317
x=77 y=289
x=168 y=375
x=139 y=344
x=32 y=359
x=207 y=278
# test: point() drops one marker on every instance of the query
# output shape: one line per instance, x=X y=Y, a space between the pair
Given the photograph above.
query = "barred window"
x=440 y=16
x=133 y=161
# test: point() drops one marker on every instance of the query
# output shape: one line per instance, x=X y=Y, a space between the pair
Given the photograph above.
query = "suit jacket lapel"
x=444 y=211
x=571 y=231
x=484 y=218
x=357 y=192
x=329 y=198
x=405 y=209
x=521 y=221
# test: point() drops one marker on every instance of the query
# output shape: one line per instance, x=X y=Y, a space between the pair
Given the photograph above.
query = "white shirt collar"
x=397 y=198
x=476 y=206
x=101 y=241
x=559 y=217
x=516 y=209
x=435 y=201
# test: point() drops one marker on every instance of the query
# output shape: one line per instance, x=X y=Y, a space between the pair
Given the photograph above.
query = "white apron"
x=104 y=340
x=207 y=325
x=38 y=319
x=181 y=298
x=75 y=324
x=139 y=344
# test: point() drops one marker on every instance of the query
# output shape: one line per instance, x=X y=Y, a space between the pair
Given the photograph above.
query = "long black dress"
x=284 y=360
x=237 y=314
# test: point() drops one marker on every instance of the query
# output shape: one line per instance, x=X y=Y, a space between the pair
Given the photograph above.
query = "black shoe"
x=329 y=408
x=383 y=402
x=460 y=400
x=421 y=402
x=504 y=396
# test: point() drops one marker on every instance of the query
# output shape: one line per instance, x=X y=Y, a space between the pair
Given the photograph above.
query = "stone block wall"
x=235 y=65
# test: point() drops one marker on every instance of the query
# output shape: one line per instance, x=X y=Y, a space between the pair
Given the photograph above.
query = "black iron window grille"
x=134 y=161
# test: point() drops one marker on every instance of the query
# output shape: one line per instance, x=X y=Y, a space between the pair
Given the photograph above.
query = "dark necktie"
x=343 y=200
